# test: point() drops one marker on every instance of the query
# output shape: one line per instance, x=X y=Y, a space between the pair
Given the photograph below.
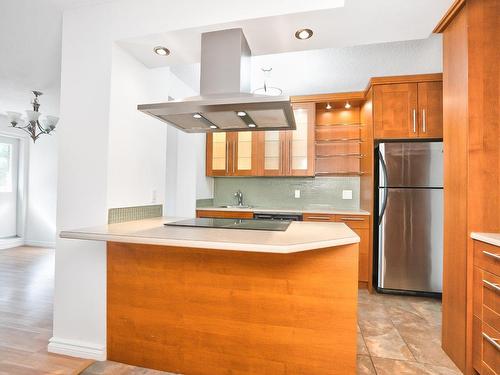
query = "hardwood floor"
x=396 y=335
x=26 y=287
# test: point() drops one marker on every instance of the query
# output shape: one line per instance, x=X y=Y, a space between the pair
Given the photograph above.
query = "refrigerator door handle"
x=383 y=170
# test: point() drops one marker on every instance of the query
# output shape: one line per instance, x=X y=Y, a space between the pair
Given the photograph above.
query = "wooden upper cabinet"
x=430 y=109
x=217 y=162
x=273 y=153
x=395 y=111
x=232 y=154
x=408 y=110
x=300 y=147
x=245 y=153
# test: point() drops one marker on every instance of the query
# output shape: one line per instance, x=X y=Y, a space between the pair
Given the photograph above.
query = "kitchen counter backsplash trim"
x=279 y=193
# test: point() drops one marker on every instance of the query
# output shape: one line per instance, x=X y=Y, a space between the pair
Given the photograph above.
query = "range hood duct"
x=225 y=103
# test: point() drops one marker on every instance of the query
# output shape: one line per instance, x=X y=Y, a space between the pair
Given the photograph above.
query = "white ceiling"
x=358 y=22
x=30 y=36
x=30 y=45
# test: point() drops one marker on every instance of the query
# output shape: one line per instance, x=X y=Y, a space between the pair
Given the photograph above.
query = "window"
x=5 y=168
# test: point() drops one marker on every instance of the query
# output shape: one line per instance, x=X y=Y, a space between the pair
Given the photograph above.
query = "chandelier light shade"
x=32 y=123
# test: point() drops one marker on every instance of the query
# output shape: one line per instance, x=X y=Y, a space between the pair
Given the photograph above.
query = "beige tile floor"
x=400 y=335
x=396 y=335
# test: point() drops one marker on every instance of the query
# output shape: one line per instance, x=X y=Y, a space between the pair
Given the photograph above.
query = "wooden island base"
x=201 y=311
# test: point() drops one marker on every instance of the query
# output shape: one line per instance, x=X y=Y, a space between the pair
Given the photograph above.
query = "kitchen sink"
x=235 y=206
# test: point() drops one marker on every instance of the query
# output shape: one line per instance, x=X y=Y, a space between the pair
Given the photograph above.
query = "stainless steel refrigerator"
x=410 y=231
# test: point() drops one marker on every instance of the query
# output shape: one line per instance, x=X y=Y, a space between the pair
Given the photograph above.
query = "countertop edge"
x=490 y=238
x=229 y=246
x=279 y=210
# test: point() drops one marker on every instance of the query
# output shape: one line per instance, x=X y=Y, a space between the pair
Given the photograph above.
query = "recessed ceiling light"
x=197 y=115
x=303 y=34
x=213 y=127
x=242 y=114
x=162 y=51
x=252 y=125
x=328 y=106
x=347 y=105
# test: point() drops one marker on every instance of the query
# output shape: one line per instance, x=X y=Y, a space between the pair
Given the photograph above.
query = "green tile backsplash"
x=122 y=214
x=279 y=192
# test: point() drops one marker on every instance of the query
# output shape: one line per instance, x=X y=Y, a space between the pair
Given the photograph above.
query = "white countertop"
x=300 y=236
x=491 y=238
x=308 y=210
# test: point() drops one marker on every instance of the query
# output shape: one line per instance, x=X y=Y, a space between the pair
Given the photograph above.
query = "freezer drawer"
x=411 y=239
x=411 y=164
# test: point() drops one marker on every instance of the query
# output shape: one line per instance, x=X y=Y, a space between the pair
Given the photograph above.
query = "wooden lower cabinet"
x=359 y=224
x=224 y=214
x=486 y=309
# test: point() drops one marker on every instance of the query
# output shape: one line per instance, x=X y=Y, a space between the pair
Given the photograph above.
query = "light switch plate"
x=297 y=193
x=346 y=194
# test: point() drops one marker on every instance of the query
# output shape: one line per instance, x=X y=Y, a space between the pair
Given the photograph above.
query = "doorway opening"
x=11 y=191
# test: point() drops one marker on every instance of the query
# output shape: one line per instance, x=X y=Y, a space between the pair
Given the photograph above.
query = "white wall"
x=80 y=266
x=42 y=178
x=347 y=69
x=137 y=142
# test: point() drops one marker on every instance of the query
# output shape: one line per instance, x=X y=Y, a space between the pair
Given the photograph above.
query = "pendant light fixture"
x=32 y=123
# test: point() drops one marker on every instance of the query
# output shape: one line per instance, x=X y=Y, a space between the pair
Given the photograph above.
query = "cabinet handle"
x=491 y=255
x=424 y=125
x=318 y=218
x=234 y=156
x=290 y=153
x=227 y=156
x=492 y=341
x=494 y=286
x=414 y=121
x=352 y=219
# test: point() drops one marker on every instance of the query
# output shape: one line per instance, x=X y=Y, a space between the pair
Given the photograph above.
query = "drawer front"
x=476 y=344
x=318 y=217
x=225 y=214
x=486 y=297
x=491 y=348
x=354 y=221
x=487 y=257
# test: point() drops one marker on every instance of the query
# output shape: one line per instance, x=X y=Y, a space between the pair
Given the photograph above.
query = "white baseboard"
x=75 y=348
x=40 y=243
x=8 y=243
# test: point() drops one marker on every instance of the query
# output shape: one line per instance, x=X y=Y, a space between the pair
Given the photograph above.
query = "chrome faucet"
x=239 y=197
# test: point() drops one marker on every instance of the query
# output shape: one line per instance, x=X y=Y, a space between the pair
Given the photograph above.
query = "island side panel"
x=198 y=311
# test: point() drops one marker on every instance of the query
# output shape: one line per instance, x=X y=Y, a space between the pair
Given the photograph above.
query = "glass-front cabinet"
x=265 y=153
x=231 y=154
x=301 y=141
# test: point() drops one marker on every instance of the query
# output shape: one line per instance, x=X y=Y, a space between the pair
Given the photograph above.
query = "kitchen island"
x=220 y=301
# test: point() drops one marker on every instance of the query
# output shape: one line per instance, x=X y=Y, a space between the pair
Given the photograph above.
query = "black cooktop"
x=272 y=225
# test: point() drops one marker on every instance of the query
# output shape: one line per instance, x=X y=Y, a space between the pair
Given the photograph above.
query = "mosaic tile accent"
x=275 y=192
x=122 y=214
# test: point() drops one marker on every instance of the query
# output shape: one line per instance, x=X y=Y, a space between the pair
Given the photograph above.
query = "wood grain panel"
x=394 y=108
x=225 y=214
x=195 y=311
x=430 y=109
x=455 y=135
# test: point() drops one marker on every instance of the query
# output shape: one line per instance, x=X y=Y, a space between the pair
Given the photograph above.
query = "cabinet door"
x=430 y=109
x=395 y=111
x=244 y=146
x=217 y=162
x=272 y=144
x=300 y=142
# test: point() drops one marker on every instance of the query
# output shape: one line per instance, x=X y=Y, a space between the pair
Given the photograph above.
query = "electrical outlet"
x=297 y=193
x=346 y=194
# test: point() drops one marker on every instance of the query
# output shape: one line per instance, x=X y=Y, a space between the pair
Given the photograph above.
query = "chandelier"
x=32 y=123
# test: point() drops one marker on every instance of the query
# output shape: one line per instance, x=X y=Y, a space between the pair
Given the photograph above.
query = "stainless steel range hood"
x=225 y=103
